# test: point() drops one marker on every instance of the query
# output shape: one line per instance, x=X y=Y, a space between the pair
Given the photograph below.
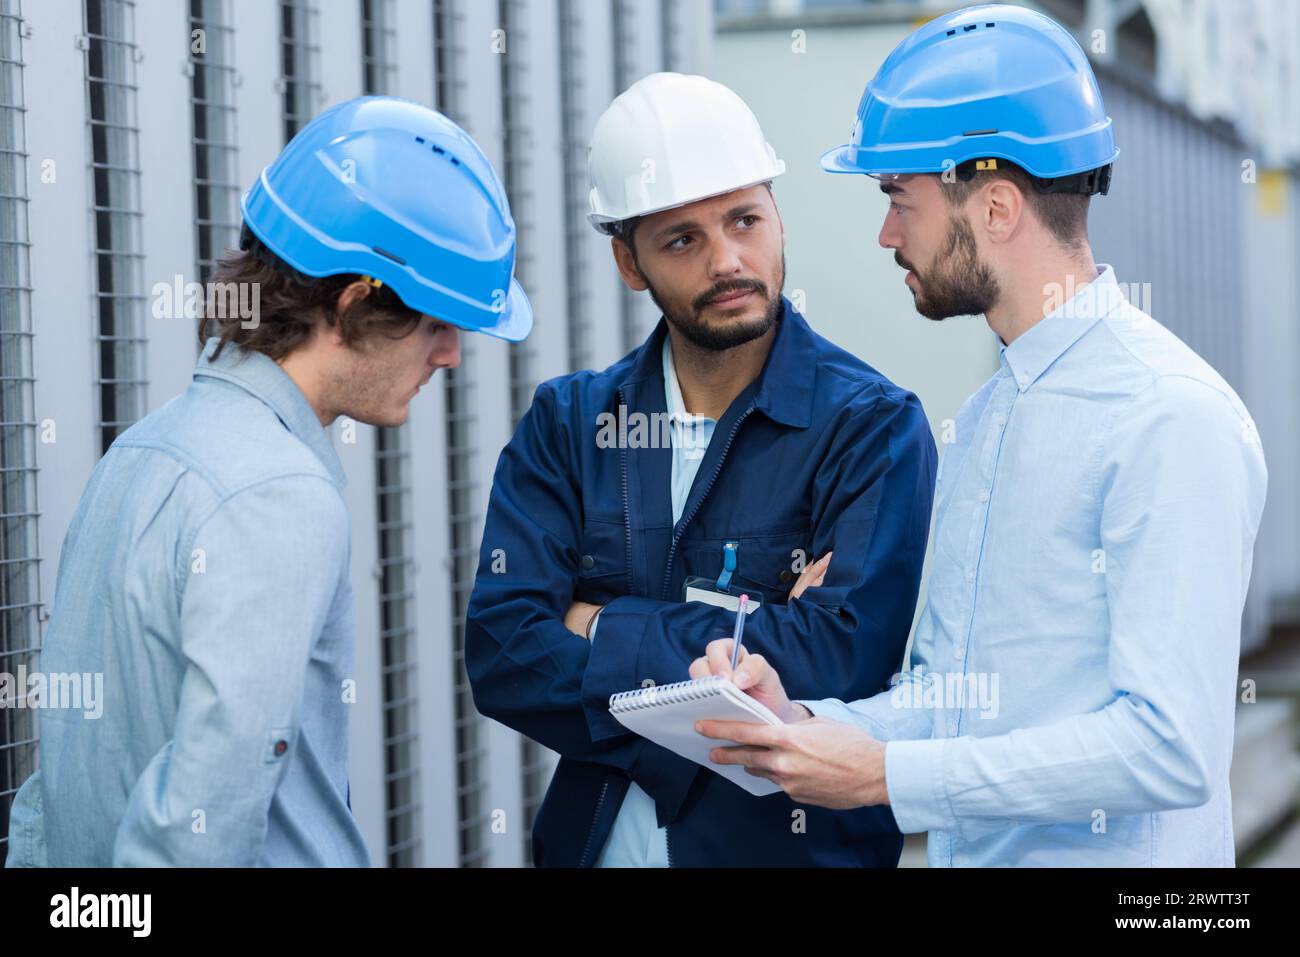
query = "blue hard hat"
x=991 y=81
x=393 y=190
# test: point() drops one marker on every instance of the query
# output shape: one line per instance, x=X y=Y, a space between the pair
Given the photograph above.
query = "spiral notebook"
x=666 y=714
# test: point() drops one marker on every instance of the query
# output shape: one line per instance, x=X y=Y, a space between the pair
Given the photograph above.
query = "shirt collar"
x=1030 y=355
x=262 y=377
x=785 y=388
x=673 y=390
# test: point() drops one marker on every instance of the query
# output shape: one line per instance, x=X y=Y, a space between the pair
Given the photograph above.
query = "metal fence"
x=433 y=782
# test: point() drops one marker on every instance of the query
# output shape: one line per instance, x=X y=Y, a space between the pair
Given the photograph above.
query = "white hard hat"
x=670 y=140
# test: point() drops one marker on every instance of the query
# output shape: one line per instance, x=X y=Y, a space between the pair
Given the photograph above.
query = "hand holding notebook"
x=667 y=714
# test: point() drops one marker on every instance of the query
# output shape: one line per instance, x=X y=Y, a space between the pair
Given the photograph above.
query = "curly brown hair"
x=290 y=305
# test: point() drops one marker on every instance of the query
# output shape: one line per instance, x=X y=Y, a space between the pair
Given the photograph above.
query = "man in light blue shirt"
x=205 y=575
x=1072 y=687
x=1071 y=693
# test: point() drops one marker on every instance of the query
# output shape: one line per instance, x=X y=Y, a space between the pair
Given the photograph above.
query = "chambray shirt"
x=205 y=574
x=637 y=840
x=1072 y=686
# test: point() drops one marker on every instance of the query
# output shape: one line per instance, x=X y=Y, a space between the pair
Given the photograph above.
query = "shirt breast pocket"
x=767 y=566
x=602 y=562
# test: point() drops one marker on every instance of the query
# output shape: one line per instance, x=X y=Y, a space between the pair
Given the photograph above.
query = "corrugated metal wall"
x=20 y=598
x=108 y=85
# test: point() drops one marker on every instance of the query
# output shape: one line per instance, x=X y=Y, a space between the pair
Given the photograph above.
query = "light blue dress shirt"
x=205 y=576
x=637 y=840
x=1073 y=677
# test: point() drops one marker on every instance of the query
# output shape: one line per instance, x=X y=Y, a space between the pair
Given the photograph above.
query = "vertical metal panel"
x=64 y=352
x=430 y=534
x=213 y=79
x=534 y=163
x=587 y=61
x=299 y=64
x=395 y=527
x=259 y=98
x=113 y=131
x=478 y=422
x=513 y=48
x=378 y=47
x=397 y=641
x=20 y=596
x=502 y=807
x=168 y=196
x=642 y=54
x=217 y=188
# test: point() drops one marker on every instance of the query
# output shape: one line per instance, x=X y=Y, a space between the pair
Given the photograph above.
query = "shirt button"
x=1023 y=380
x=959 y=654
x=588 y=563
x=999 y=420
x=970 y=576
x=984 y=495
x=785 y=575
x=281 y=747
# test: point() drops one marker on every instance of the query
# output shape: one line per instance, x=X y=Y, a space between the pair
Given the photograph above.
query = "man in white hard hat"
x=627 y=549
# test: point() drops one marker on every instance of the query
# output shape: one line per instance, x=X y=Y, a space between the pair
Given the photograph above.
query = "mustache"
x=730 y=285
x=898 y=258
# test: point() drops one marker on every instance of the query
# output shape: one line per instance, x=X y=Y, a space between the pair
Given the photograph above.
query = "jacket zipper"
x=627 y=536
x=668 y=571
x=677 y=534
x=672 y=552
x=627 y=508
x=591 y=832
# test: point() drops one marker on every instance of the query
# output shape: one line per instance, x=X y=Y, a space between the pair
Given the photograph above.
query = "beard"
x=958 y=283
x=730 y=333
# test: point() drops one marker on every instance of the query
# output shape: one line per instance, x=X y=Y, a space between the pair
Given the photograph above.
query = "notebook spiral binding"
x=657 y=695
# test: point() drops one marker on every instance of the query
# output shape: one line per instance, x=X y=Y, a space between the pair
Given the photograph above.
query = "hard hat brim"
x=516 y=319
x=849 y=159
x=605 y=224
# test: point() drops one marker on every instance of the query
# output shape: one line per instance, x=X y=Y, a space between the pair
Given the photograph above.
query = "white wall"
x=853 y=289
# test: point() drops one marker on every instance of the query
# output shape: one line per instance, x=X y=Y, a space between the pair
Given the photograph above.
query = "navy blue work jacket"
x=819 y=453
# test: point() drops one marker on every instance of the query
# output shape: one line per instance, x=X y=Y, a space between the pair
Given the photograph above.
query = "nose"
x=889 y=237
x=446 y=349
x=724 y=259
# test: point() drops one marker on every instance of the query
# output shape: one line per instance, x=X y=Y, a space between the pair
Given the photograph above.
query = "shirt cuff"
x=828 y=708
x=915 y=782
x=837 y=710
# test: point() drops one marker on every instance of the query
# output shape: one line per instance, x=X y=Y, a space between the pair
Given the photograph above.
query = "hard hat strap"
x=1088 y=183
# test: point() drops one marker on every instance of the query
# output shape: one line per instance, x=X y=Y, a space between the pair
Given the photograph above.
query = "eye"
x=748 y=221
x=680 y=239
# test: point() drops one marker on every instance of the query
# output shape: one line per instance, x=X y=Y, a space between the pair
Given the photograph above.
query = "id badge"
x=720 y=591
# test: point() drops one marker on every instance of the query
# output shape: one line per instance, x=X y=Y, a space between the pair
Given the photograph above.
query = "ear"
x=1003 y=210
x=627 y=265
x=352 y=293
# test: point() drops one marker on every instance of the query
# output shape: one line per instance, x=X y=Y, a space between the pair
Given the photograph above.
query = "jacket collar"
x=1033 y=353
x=262 y=377
x=785 y=386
